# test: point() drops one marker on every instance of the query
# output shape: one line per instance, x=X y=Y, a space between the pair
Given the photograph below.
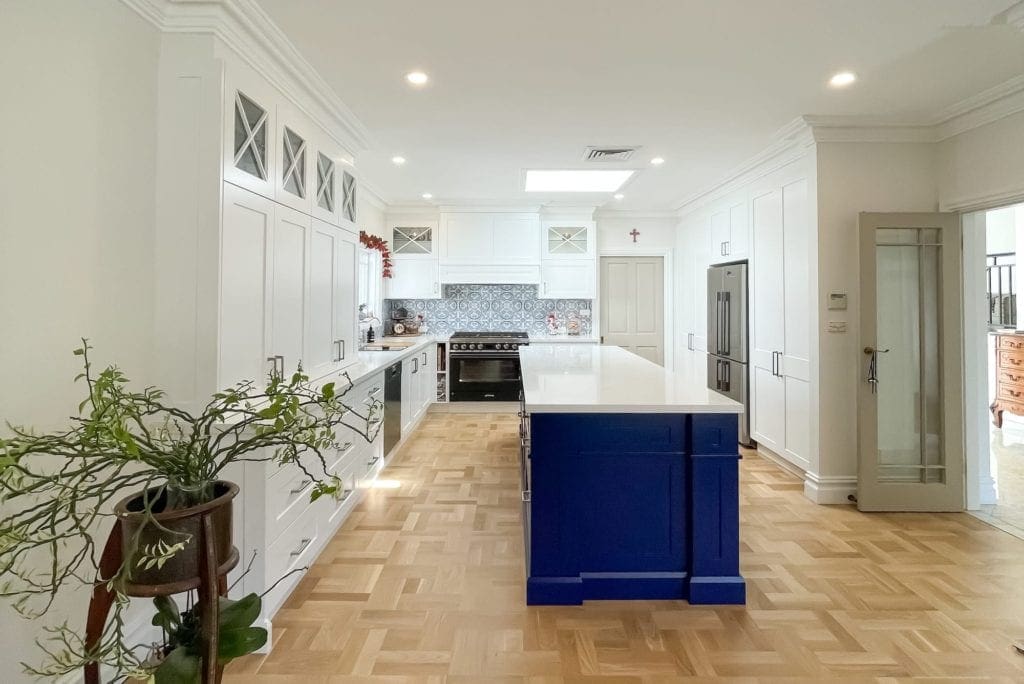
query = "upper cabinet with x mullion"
x=250 y=140
x=294 y=180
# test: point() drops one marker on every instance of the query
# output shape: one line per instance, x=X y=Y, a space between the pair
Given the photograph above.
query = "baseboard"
x=830 y=490
x=789 y=467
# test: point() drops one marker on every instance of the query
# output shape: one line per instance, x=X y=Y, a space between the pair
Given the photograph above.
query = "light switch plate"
x=837 y=301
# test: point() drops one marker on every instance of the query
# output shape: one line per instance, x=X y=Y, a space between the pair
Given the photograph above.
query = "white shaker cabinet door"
x=288 y=288
x=321 y=350
x=414 y=278
x=568 y=279
x=346 y=307
x=467 y=238
x=245 y=287
x=516 y=239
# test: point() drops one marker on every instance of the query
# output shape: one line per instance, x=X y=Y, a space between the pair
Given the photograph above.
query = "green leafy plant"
x=57 y=489
x=181 y=661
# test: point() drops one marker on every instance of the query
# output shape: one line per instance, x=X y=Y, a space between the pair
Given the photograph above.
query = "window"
x=370 y=284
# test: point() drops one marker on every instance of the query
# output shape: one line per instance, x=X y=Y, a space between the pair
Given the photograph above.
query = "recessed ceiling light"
x=398 y=161
x=842 y=79
x=576 y=180
x=427 y=195
x=619 y=195
x=417 y=77
x=658 y=161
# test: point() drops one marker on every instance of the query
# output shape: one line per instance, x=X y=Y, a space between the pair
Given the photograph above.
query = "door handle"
x=415 y=365
x=872 y=378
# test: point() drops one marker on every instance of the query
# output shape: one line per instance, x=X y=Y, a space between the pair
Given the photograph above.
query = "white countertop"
x=562 y=339
x=371 y=362
x=570 y=378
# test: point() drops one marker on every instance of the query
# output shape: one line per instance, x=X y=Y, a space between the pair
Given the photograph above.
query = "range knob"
x=472 y=346
x=515 y=346
x=460 y=346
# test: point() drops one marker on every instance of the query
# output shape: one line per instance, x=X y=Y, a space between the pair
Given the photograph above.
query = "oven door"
x=483 y=377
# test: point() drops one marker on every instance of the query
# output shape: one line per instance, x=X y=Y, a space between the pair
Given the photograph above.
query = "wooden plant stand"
x=210 y=582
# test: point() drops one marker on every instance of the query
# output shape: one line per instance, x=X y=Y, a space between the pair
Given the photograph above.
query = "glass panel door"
x=412 y=240
x=250 y=137
x=564 y=240
x=911 y=455
x=348 y=197
x=324 y=182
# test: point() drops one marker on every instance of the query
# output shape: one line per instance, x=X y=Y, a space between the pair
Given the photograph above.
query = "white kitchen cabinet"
x=515 y=239
x=332 y=299
x=489 y=239
x=467 y=238
x=288 y=288
x=245 y=290
x=410 y=393
x=294 y=180
x=250 y=137
x=568 y=279
x=780 y=314
x=730 y=233
x=325 y=160
x=414 y=278
x=347 y=190
x=695 y=262
x=565 y=240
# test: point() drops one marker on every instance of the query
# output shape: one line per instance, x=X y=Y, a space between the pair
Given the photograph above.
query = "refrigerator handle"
x=718 y=374
x=727 y=375
x=726 y=315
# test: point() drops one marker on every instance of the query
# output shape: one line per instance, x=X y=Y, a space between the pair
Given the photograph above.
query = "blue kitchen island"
x=630 y=480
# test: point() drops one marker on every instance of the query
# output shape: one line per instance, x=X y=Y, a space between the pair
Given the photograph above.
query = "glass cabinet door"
x=568 y=240
x=412 y=240
x=348 y=197
x=293 y=163
x=250 y=136
x=324 y=182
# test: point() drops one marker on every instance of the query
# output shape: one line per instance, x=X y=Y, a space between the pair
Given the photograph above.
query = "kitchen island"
x=630 y=480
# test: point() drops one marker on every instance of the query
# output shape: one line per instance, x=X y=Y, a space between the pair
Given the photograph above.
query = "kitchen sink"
x=387 y=345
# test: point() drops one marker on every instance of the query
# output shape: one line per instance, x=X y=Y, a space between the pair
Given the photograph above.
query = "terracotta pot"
x=183 y=568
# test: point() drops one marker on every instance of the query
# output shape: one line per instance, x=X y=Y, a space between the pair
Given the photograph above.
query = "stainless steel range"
x=485 y=365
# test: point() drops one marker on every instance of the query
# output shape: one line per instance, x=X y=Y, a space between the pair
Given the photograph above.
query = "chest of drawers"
x=1009 y=377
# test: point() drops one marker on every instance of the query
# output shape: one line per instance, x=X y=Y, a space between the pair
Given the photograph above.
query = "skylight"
x=578 y=180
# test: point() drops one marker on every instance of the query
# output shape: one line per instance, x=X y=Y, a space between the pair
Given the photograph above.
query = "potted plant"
x=58 y=489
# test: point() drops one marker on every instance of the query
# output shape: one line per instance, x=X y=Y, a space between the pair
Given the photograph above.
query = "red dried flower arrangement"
x=381 y=245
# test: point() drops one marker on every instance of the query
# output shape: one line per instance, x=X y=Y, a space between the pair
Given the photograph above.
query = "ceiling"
x=703 y=83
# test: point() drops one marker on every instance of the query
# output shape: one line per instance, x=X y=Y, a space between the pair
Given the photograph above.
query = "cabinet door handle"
x=415 y=366
x=372 y=461
x=728 y=248
x=341 y=356
x=302 y=547
x=424 y=358
x=275 y=360
x=435 y=287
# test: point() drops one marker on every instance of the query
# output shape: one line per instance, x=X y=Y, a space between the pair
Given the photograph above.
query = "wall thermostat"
x=837 y=301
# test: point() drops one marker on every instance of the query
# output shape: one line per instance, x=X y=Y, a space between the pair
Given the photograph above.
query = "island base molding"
x=618 y=586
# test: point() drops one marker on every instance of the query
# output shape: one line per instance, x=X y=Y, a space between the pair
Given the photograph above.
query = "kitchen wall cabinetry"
x=693 y=262
x=564 y=240
x=255 y=270
x=780 y=314
x=414 y=254
x=498 y=247
x=730 y=233
x=418 y=386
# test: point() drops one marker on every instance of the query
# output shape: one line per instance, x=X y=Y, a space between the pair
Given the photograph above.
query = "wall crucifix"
x=634 y=233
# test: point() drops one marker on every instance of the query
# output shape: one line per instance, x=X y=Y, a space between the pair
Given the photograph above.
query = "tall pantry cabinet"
x=256 y=268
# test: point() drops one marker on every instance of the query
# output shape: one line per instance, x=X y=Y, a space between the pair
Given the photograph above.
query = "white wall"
x=371 y=214
x=656 y=232
x=855 y=177
x=76 y=216
x=983 y=167
x=1001 y=230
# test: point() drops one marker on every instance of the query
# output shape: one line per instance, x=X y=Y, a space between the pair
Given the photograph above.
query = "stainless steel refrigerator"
x=727 y=338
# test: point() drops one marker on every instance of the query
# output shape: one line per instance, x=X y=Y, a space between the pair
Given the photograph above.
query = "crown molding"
x=246 y=29
x=484 y=206
x=789 y=144
x=630 y=214
x=371 y=196
x=988 y=106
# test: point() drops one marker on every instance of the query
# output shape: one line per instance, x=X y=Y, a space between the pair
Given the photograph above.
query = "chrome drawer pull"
x=375 y=390
x=372 y=461
x=302 y=485
x=344 y=495
x=302 y=547
x=345 y=447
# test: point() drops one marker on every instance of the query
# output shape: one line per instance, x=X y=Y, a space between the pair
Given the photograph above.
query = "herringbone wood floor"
x=425 y=582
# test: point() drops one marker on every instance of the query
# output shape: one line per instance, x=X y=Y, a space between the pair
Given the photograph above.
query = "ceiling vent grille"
x=609 y=154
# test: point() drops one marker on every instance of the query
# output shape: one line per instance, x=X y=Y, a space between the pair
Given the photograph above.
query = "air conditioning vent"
x=609 y=154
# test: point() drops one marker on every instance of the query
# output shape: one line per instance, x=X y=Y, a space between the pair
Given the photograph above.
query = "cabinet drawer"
x=1011 y=359
x=287 y=498
x=1011 y=342
x=1011 y=377
x=349 y=444
x=1011 y=393
x=348 y=497
x=294 y=548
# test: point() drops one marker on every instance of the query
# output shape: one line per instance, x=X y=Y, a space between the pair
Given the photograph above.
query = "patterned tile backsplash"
x=491 y=307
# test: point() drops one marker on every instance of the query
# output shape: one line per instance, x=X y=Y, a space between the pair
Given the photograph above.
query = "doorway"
x=633 y=305
x=995 y=400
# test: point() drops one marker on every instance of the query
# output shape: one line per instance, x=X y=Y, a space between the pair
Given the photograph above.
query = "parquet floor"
x=424 y=583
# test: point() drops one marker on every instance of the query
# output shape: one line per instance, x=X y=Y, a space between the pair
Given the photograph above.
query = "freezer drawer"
x=730 y=378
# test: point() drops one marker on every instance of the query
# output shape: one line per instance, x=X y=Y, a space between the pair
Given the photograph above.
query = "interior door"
x=632 y=308
x=911 y=393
